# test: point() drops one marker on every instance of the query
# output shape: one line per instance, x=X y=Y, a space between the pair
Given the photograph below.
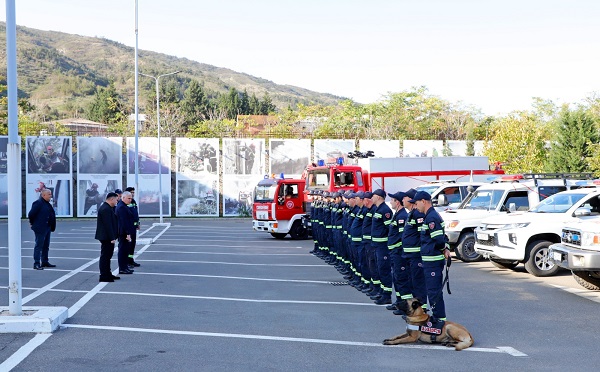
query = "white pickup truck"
x=579 y=251
x=521 y=191
x=448 y=194
x=508 y=240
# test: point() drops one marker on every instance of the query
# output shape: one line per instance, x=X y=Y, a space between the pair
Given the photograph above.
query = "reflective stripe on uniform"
x=367 y=237
x=379 y=240
x=412 y=249
x=433 y=258
x=399 y=244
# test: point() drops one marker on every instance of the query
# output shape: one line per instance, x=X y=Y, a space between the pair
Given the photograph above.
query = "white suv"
x=510 y=191
x=448 y=194
x=525 y=237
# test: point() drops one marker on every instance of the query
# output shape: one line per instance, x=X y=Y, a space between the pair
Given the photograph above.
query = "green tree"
x=106 y=106
x=266 y=105
x=194 y=105
x=571 y=148
x=518 y=141
x=245 y=104
x=254 y=105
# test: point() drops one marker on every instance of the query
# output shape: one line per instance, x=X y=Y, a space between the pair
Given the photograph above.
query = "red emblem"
x=289 y=204
x=388 y=215
x=400 y=221
x=431 y=225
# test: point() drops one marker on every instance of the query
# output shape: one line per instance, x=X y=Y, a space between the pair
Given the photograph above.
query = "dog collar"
x=411 y=327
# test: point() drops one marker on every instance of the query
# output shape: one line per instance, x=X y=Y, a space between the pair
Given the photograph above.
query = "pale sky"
x=493 y=54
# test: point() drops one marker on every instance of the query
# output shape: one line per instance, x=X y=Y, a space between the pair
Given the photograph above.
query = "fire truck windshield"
x=265 y=193
x=318 y=179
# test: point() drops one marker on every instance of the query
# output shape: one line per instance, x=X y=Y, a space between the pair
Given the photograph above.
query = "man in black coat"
x=106 y=233
x=134 y=208
x=42 y=220
x=126 y=223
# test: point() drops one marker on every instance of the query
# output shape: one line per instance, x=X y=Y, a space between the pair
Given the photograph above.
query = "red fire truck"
x=280 y=204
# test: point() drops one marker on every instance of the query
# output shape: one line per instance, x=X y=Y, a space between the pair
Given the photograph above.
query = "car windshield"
x=557 y=203
x=428 y=188
x=483 y=199
x=265 y=193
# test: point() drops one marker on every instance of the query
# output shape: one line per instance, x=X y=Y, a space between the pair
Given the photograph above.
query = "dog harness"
x=432 y=327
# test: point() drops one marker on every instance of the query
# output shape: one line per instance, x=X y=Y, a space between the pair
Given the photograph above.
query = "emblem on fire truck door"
x=289 y=204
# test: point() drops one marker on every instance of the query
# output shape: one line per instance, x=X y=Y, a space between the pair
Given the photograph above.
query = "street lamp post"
x=160 y=194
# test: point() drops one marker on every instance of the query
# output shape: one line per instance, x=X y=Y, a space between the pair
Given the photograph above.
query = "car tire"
x=278 y=235
x=298 y=231
x=537 y=259
x=588 y=279
x=465 y=248
x=510 y=265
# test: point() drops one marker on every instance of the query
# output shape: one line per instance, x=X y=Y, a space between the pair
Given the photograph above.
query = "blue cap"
x=359 y=194
x=398 y=196
x=411 y=193
x=379 y=192
x=368 y=195
x=421 y=195
x=336 y=195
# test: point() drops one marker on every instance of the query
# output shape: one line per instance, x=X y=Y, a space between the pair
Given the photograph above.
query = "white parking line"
x=501 y=349
x=589 y=295
x=19 y=355
x=237 y=263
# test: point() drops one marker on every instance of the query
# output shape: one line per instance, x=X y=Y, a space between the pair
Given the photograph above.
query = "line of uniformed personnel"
x=380 y=250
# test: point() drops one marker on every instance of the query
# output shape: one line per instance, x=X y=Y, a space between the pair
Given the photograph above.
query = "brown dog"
x=420 y=327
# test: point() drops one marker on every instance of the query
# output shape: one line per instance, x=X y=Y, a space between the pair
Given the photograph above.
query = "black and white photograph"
x=288 y=156
x=61 y=193
x=238 y=195
x=331 y=150
x=148 y=155
x=380 y=148
x=91 y=193
x=51 y=155
x=3 y=154
x=197 y=155
x=197 y=198
x=243 y=156
x=422 y=148
x=99 y=155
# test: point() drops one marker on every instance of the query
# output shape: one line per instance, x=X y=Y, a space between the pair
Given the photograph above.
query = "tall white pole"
x=160 y=194
x=14 y=167
x=136 y=170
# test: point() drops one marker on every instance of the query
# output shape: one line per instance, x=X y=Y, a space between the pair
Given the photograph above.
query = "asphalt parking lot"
x=212 y=295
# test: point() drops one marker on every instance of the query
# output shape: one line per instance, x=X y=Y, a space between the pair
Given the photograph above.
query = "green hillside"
x=59 y=72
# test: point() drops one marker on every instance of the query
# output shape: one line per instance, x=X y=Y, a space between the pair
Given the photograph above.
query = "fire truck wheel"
x=278 y=235
x=537 y=260
x=298 y=232
x=588 y=279
x=466 y=248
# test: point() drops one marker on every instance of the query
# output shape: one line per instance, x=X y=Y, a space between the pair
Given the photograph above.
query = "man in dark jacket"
x=134 y=208
x=42 y=220
x=126 y=223
x=106 y=233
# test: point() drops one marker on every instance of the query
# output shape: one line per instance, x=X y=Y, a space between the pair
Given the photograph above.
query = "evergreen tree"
x=575 y=134
x=106 y=107
x=254 y=105
x=245 y=104
x=266 y=105
x=194 y=105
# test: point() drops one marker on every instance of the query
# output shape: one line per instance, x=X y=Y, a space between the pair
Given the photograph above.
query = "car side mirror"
x=512 y=207
x=580 y=212
x=442 y=200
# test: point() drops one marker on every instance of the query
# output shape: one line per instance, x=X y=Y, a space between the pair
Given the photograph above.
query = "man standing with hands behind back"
x=106 y=233
x=126 y=231
x=42 y=220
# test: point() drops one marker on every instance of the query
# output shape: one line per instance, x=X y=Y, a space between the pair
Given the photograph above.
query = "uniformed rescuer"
x=382 y=218
x=434 y=252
